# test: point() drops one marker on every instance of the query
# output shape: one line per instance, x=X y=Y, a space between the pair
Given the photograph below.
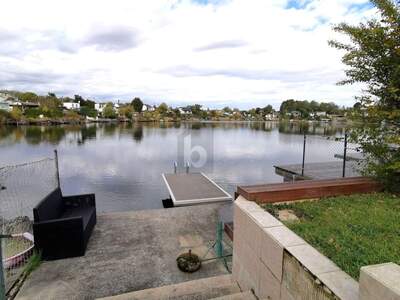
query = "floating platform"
x=193 y=188
x=319 y=170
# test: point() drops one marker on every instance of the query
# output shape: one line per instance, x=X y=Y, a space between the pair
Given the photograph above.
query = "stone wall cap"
x=388 y=274
x=341 y=284
x=284 y=236
x=314 y=261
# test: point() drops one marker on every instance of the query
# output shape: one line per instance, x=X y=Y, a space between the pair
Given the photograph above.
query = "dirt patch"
x=287 y=215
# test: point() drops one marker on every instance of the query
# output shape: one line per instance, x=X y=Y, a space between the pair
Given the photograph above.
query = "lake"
x=122 y=163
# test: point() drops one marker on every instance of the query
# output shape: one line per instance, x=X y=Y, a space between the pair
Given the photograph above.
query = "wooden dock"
x=308 y=189
x=319 y=170
x=193 y=188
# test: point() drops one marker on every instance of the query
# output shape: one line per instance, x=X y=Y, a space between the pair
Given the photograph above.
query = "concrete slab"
x=380 y=282
x=310 y=258
x=205 y=288
x=130 y=251
x=265 y=219
x=341 y=284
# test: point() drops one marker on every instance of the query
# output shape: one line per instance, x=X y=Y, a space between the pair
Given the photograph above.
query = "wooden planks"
x=319 y=170
x=307 y=189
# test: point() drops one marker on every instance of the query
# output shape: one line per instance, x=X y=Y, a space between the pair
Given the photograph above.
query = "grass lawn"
x=353 y=231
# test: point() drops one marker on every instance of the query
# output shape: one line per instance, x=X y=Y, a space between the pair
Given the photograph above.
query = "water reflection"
x=123 y=163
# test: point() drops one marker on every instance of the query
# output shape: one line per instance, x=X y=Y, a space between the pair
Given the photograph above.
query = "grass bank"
x=353 y=231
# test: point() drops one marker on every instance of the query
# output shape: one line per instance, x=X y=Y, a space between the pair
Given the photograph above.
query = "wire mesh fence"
x=326 y=157
x=22 y=187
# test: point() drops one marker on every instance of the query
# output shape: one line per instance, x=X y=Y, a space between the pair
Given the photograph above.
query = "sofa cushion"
x=50 y=207
x=84 y=211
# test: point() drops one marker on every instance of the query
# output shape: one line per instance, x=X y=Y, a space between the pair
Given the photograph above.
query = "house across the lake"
x=4 y=104
x=72 y=105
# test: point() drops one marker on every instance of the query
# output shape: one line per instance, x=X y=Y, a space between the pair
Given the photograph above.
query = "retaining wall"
x=275 y=263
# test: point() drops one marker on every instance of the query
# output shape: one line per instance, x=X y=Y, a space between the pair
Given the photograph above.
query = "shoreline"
x=116 y=121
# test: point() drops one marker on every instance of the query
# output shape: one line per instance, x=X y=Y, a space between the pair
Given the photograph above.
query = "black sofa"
x=63 y=225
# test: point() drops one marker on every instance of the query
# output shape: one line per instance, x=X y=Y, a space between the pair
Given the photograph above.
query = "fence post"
x=218 y=244
x=344 y=155
x=304 y=155
x=2 y=283
x=57 y=169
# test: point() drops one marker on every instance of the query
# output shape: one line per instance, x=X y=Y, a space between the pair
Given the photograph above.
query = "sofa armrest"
x=80 y=200
x=56 y=224
x=60 y=238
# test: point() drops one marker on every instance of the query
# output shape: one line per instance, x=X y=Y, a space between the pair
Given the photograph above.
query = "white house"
x=72 y=105
x=271 y=116
x=4 y=104
x=99 y=107
x=295 y=114
x=147 y=107
x=320 y=113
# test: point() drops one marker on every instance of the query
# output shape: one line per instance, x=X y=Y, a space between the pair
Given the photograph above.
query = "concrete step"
x=237 y=296
x=200 y=289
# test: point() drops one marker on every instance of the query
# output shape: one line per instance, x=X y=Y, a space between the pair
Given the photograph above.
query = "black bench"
x=63 y=225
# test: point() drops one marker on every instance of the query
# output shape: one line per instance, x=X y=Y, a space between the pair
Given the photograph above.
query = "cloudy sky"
x=242 y=53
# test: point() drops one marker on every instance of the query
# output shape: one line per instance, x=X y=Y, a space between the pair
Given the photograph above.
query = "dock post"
x=57 y=168
x=304 y=155
x=218 y=244
x=344 y=155
x=2 y=283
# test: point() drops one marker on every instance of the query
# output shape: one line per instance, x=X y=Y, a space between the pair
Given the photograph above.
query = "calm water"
x=123 y=163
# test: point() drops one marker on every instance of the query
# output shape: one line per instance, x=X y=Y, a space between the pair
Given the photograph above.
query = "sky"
x=241 y=53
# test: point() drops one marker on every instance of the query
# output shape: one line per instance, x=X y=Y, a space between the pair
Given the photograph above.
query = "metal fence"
x=326 y=157
x=22 y=187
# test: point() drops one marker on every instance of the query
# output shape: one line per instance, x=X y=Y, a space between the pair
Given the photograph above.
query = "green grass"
x=353 y=231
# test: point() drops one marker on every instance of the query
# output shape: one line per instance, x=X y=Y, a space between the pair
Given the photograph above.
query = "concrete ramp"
x=194 y=188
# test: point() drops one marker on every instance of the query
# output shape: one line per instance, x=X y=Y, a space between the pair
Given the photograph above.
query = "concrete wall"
x=275 y=263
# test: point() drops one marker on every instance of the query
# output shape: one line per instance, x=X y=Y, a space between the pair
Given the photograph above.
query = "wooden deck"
x=307 y=189
x=193 y=188
x=319 y=170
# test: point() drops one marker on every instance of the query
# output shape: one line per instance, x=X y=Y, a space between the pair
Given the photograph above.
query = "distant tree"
x=78 y=99
x=162 y=108
x=196 y=109
x=357 y=105
x=227 y=109
x=137 y=104
x=109 y=112
x=126 y=111
x=177 y=112
x=16 y=114
x=267 y=109
x=88 y=112
x=373 y=58
x=28 y=97
x=52 y=95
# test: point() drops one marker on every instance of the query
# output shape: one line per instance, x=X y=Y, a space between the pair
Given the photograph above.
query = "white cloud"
x=239 y=52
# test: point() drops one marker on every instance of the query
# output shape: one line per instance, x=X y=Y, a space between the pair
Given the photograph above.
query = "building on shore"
x=71 y=105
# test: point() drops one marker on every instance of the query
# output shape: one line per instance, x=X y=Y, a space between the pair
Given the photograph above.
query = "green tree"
x=373 y=58
x=137 y=104
x=162 y=108
x=109 y=112
x=16 y=114
x=28 y=97
x=88 y=111
x=126 y=111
